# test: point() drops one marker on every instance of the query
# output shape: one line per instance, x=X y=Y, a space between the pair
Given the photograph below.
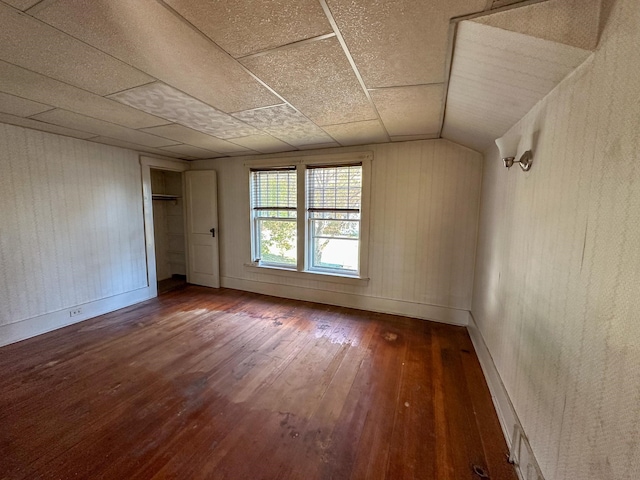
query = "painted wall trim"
x=31 y=327
x=424 y=311
x=522 y=455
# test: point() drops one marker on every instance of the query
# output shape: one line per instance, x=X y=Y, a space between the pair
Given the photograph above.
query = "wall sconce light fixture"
x=508 y=147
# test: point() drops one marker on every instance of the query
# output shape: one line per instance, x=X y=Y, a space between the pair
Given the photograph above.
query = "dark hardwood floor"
x=208 y=384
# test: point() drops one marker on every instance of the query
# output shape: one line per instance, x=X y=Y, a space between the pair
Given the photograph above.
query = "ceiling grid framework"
x=199 y=79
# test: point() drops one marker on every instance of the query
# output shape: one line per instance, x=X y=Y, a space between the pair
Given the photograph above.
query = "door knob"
x=213 y=232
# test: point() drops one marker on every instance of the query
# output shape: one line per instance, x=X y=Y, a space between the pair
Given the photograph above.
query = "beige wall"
x=71 y=223
x=557 y=286
x=424 y=209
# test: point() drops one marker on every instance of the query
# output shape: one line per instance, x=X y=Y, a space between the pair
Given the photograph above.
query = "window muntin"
x=334 y=197
x=274 y=216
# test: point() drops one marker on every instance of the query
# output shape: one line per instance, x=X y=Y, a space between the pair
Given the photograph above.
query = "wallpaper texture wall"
x=557 y=281
x=71 y=221
x=424 y=213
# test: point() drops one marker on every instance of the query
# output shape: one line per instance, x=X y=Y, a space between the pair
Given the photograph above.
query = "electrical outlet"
x=76 y=311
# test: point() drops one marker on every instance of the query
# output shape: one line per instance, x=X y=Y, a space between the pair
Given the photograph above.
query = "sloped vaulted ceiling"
x=211 y=78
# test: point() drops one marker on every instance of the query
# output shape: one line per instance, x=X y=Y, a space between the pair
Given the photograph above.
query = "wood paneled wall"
x=424 y=209
x=558 y=272
x=71 y=223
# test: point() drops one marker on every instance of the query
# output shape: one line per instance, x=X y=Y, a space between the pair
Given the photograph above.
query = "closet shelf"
x=158 y=196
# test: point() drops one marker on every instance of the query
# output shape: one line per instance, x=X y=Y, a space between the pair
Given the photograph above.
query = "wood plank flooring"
x=223 y=384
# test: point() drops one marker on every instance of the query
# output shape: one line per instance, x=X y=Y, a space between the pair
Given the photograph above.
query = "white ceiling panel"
x=186 y=135
x=285 y=123
x=403 y=42
x=99 y=127
x=263 y=143
x=357 y=133
x=134 y=146
x=250 y=26
x=24 y=83
x=191 y=151
x=317 y=79
x=486 y=98
x=145 y=34
x=572 y=22
x=22 y=4
x=315 y=146
x=167 y=102
x=45 y=127
x=34 y=45
x=414 y=110
x=21 y=106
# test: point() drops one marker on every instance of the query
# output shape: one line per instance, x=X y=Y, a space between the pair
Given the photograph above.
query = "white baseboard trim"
x=30 y=327
x=435 y=313
x=521 y=454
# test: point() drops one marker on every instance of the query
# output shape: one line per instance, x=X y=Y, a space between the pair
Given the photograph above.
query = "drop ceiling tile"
x=317 y=146
x=572 y=22
x=45 y=127
x=197 y=139
x=189 y=151
x=145 y=34
x=134 y=146
x=403 y=42
x=167 y=102
x=263 y=143
x=105 y=129
x=317 y=79
x=358 y=133
x=22 y=4
x=32 y=44
x=24 y=83
x=20 y=106
x=414 y=110
x=487 y=97
x=243 y=32
x=285 y=123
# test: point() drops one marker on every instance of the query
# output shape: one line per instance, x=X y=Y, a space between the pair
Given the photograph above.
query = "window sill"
x=317 y=276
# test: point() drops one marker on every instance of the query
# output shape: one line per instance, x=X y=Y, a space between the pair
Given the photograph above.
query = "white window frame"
x=302 y=268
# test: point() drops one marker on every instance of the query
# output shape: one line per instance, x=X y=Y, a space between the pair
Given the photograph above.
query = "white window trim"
x=302 y=268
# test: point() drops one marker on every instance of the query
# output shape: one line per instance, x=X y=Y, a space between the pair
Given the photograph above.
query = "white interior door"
x=202 y=228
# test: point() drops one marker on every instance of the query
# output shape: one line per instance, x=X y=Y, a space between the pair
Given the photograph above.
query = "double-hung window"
x=334 y=196
x=310 y=216
x=274 y=212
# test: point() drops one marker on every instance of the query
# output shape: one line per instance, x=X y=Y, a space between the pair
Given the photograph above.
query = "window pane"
x=278 y=241
x=336 y=253
x=336 y=229
x=334 y=188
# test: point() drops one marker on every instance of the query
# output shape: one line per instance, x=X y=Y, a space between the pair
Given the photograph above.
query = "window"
x=311 y=216
x=273 y=203
x=333 y=208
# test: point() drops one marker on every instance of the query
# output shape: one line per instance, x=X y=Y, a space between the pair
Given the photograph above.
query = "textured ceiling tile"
x=317 y=79
x=572 y=22
x=167 y=102
x=315 y=146
x=148 y=36
x=45 y=127
x=244 y=31
x=358 y=133
x=412 y=110
x=22 y=4
x=134 y=146
x=190 y=151
x=486 y=98
x=403 y=42
x=20 y=106
x=105 y=129
x=197 y=139
x=34 y=45
x=286 y=124
x=263 y=143
x=36 y=87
